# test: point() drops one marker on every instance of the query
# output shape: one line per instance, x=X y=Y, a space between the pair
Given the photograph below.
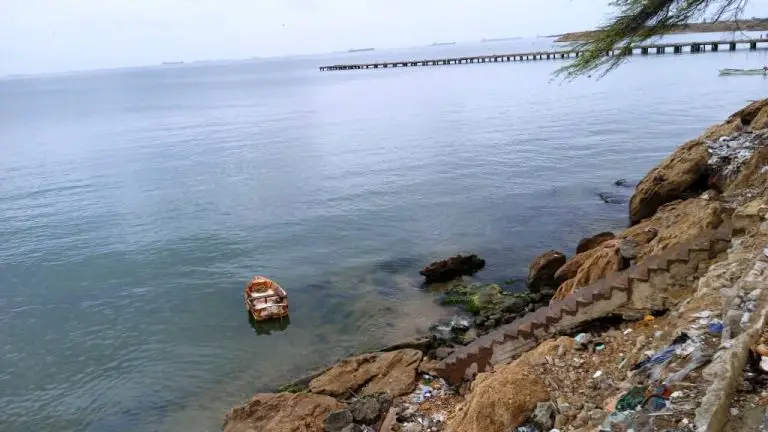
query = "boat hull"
x=265 y=299
x=743 y=72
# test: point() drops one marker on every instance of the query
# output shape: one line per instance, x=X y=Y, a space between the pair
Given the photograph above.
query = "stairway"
x=641 y=287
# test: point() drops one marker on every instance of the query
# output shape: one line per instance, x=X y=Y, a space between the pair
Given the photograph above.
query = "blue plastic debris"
x=715 y=327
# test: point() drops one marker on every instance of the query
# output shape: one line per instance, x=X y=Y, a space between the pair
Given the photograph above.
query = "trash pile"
x=729 y=153
x=426 y=408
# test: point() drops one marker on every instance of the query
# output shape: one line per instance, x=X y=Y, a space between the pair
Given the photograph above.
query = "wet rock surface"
x=452 y=268
x=541 y=271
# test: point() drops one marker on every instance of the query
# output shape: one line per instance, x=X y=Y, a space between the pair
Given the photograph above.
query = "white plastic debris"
x=744 y=320
x=676 y=394
x=598 y=374
x=734 y=411
x=658 y=334
x=582 y=338
x=627 y=331
x=703 y=314
x=764 y=363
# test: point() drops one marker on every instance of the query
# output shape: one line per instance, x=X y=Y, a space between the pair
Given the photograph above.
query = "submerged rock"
x=452 y=268
x=391 y=372
x=541 y=272
x=281 y=412
x=612 y=198
x=596 y=240
x=489 y=303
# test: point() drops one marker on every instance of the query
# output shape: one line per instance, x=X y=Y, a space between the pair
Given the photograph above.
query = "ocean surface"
x=135 y=205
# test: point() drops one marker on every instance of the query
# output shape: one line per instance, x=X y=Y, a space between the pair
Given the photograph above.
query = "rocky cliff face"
x=717 y=301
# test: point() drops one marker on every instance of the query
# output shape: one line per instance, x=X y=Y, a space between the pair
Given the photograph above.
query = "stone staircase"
x=641 y=287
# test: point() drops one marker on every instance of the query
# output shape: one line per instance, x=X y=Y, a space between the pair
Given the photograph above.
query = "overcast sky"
x=58 y=35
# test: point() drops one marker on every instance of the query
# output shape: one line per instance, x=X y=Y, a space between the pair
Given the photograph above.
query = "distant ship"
x=500 y=39
x=360 y=50
x=170 y=63
x=443 y=43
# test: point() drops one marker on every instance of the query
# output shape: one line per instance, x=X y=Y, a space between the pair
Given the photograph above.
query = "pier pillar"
x=753 y=46
x=732 y=46
x=715 y=47
x=644 y=51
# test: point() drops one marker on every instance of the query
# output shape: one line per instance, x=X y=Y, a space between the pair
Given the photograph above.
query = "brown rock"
x=452 y=268
x=541 y=272
x=592 y=242
x=572 y=266
x=604 y=261
x=391 y=372
x=749 y=113
x=499 y=401
x=281 y=412
x=683 y=171
x=674 y=224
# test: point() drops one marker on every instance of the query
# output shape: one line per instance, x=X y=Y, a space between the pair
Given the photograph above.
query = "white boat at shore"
x=761 y=71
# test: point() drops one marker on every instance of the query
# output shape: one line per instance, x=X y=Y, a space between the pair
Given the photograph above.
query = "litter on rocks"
x=649 y=318
x=703 y=314
x=599 y=346
x=631 y=399
x=598 y=374
x=764 y=363
x=582 y=338
x=627 y=331
x=715 y=327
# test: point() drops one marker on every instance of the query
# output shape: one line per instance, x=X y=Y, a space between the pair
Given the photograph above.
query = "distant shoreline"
x=725 y=26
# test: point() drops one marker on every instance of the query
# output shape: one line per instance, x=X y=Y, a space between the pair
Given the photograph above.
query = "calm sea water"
x=135 y=205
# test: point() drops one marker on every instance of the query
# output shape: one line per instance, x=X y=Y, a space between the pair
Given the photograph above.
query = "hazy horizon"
x=49 y=36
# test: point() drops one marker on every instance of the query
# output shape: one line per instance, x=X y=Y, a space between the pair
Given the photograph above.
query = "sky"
x=39 y=36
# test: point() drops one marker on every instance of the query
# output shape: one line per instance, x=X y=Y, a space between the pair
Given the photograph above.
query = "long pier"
x=659 y=49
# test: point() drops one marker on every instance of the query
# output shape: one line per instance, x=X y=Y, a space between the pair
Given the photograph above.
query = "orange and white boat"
x=265 y=299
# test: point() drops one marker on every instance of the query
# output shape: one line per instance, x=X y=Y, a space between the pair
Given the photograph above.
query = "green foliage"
x=637 y=21
x=292 y=388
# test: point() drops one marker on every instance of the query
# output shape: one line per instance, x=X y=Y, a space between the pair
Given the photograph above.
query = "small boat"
x=761 y=71
x=265 y=299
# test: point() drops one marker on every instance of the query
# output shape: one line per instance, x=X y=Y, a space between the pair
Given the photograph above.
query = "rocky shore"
x=660 y=327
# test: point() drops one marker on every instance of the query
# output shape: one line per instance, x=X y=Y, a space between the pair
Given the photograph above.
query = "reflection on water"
x=269 y=326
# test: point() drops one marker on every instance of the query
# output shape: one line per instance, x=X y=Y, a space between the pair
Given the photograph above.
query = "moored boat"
x=265 y=299
x=761 y=71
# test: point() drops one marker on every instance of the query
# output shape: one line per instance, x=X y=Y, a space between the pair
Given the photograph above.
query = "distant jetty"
x=354 y=50
x=171 y=63
x=442 y=43
x=500 y=39
x=760 y=24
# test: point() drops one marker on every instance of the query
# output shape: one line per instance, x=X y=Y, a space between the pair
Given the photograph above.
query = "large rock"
x=686 y=171
x=499 y=401
x=674 y=224
x=683 y=171
x=391 y=372
x=337 y=421
x=452 y=268
x=281 y=412
x=592 y=242
x=368 y=409
x=572 y=266
x=541 y=272
x=599 y=263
